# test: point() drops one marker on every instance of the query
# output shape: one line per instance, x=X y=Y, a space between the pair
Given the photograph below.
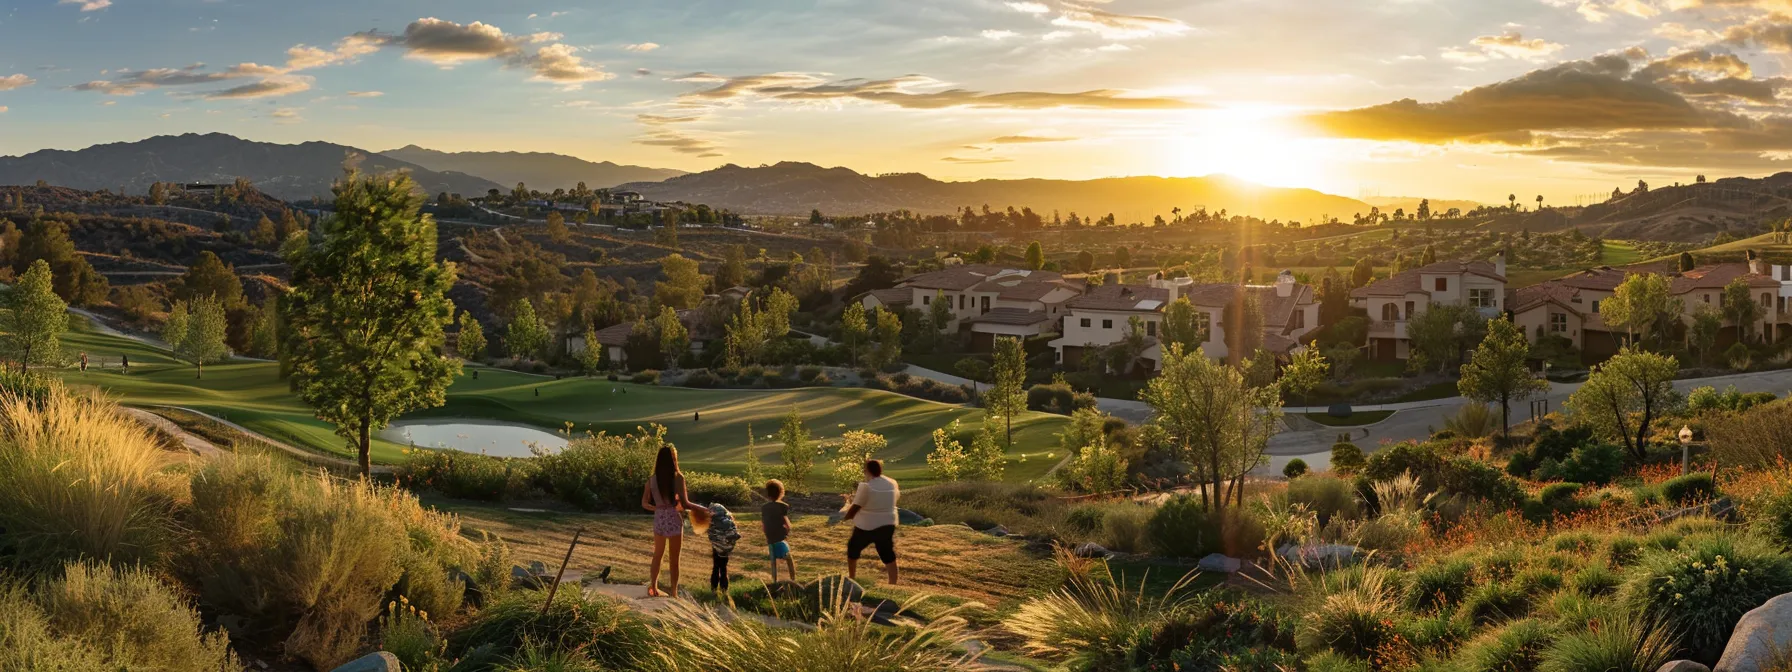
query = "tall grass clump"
x=698 y=639
x=1617 y=643
x=1440 y=585
x=599 y=629
x=1326 y=496
x=306 y=561
x=1358 y=623
x=1699 y=590
x=78 y=480
x=1517 y=647
x=1092 y=623
x=1473 y=421
x=94 y=617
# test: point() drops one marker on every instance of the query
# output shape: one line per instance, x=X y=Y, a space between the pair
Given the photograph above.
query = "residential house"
x=1392 y=301
x=986 y=300
x=1570 y=306
x=1101 y=317
x=615 y=336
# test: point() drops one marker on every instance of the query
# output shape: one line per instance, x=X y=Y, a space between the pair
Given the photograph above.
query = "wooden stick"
x=557 y=575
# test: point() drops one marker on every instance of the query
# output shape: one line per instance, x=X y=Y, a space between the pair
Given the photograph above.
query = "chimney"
x=1285 y=284
x=1499 y=264
x=1755 y=264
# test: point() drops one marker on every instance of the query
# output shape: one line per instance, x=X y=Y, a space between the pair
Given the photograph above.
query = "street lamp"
x=1685 y=449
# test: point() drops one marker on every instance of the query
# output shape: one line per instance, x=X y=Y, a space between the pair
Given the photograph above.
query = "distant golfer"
x=873 y=516
x=83 y=361
x=124 y=362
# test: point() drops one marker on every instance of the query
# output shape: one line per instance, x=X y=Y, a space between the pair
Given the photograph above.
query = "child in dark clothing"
x=722 y=535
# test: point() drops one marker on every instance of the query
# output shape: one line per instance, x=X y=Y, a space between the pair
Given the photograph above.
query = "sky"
x=1468 y=99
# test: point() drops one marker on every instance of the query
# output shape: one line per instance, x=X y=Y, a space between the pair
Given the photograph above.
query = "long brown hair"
x=665 y=471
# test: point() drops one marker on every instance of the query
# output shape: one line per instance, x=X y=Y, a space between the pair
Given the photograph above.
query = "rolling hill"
x=290 y=172
x=538 y=170
x=794 y=188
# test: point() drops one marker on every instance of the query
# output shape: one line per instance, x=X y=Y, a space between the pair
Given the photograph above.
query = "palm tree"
x=1513 y=198
x=1539 y=201
x=1176 y=214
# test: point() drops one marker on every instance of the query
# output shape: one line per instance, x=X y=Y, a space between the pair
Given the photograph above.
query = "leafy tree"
x=889 y=338
x=199 y=335
x=1442 y=333
x=682 y=286
x=815 y=217
x=1122 y=257
x=591 y=359
x=1243 y=323
x=1686 y=262
x=1643 y=306
x=471 y=341
x=158 y=193
x=1007 y=396
x=528 y=336
x=367 y=311
x=675 y=340
x=1035 y=256
x=1740 y=308
x=265 y=236
x=1497 y=372
x=733 y=271
x=972 y=369
x=264 y=334
x=1429 y=257
x=73 y=279
x=1624 y=396
x=856 y=448
x=939 y=313
x=175 y=327
x=209 y=276
x=556 y=227
x=1701 y=335
x=1182 y=325
x=1213 y=421
x=1085 y=261
x=798 y=452
x=31 y=328
x=984 y=460
x=753 y=473
x=947 y=461
x=1306 y=370
x=1362 y=273
x=853 y=328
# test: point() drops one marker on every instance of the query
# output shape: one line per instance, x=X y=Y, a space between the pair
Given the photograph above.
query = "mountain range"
x=291 y=172
x=795 y=188
x=538 y=170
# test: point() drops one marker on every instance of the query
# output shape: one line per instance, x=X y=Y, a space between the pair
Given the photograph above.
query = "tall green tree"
x=853 y=328
x=1035 y=256
x=1643 y=306
x=1243 y=323
x=1686 y=262
x=1701 y=335
x=1497 y=372
x=72 y=277
x=210 y=276
x=1740 y=309
x=1306 y=370
x=1007 y=396
x=798 y=452
x=939 y=313
x=471 y=341
x=591 y=359
x=733 y=271
x=198 y=337
x=367 y=311
x=1362 y=273
x=889 y=338
x=1213 y=420
x=32 y=326
x=682 y=284
x=675 y=340
x=1442 y=333
x=1624 y=396
x=1122 y=257
x=527 y=336
x=556 y=227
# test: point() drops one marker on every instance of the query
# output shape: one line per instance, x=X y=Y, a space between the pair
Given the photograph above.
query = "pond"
x=486 y=437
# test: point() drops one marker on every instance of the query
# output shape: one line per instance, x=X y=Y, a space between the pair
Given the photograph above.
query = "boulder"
x=1682 y=666
x=997 y=531
x=474 y=596
x=1219 y=562
x=1760 y=638
x=832 y=589
x=1318 y=555
x=378 y=661
x=536 y=575
x=1090 y=549
x=907 y=517
x=785 y=588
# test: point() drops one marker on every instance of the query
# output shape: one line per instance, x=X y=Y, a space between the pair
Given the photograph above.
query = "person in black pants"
x=722 y=535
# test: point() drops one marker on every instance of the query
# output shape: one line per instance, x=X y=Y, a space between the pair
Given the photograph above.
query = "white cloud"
x=562 y=64
x=1029 y=7
x=366 y=94
x=1113 y=26
x=644 y=46
x=1116 y=46
x=87 y=5
x=994 y=34
x=3 y=109
x=1510 y=44
x=18 y=81
x=1056 y=35
x=286 y=115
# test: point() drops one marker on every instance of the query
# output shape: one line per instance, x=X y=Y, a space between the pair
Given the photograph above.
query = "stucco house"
x=1392 y=301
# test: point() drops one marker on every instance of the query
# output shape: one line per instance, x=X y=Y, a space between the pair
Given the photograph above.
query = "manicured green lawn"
x=1618 y=253
x=1443 y=390
x=251 y=394
x=1352 y=420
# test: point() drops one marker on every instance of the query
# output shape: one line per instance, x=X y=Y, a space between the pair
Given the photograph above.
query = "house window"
x=1480 y=298
x=1390 y=312
x=1084 y=323
x=926 y=300
x=1300 y=319
x=1409 y=309
x=1150 y=328
x=1107 y=324
x=1766 y=300
x=1443 y=284
x=984 y=307
x=1595 y=306
x=1705 y=298
x=1558 y=322
x=1203 y=324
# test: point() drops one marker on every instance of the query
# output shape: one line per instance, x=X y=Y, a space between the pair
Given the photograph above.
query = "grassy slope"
x=251 y=394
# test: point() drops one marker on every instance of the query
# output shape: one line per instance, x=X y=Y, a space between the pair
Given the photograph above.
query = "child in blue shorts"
x=775 y=516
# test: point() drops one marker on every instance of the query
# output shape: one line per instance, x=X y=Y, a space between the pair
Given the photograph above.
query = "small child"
x=722 y=535
x=775 y=516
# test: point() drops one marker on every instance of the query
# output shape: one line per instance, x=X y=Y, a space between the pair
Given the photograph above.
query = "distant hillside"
x=792 y=188
x=540 y=171
x=1739 y=207
x=287 y=171
x=1411 y=204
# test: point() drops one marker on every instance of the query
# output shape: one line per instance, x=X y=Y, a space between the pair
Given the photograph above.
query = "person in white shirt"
x=873 y=516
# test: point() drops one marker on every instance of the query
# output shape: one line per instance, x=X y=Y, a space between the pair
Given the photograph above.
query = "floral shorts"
x=667 y=522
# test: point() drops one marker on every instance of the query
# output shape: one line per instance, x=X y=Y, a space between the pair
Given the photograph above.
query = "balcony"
x=1387 y=328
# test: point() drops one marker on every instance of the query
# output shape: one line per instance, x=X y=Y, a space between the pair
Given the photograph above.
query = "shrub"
x=1182 y=528
x=704 y=487
x=602 y=472
x=1473 y=421
x=1086 y=518
x=1469 y=477
x=694 y=638
x=1440 y=585
x=29 y=386
x=606 y=632
x=1347 y=458
x=1558 y=494
x=1592 y=463
x=1774 y=519
x=1759 y=437
x=1295 y=468
x=94 y=617
x=1701 y=589
x=702 y=378
x=1220 y=631
x=1127 y=529
x=1091 y=623
x=1058 y=398
x=1595 y=581
x=1022 y=508
x=79 y=480
x=1327 y=497
x=1492 y=603
x=464 y=475
x=1621 y=550
x=1357 y=624
x=1691 y=488
x=1517 y=647
x=1620 y=644
x=648 y=377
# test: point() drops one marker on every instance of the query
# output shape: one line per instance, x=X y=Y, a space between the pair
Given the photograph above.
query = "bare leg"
x=852 y=568
x=676 y=543
x=790 y=562
x=653 y=572
x=891 y=570
x=774 y=570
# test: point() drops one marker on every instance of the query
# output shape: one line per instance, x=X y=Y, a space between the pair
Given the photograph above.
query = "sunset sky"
x=1466 y=99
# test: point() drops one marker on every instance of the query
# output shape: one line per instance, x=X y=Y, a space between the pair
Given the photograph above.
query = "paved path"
x=1418 y=419
x=193 y=444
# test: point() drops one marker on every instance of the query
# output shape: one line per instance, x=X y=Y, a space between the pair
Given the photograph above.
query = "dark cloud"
x=277 y=86
x=273 y=81
x=908 y=91
x=680 y=142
